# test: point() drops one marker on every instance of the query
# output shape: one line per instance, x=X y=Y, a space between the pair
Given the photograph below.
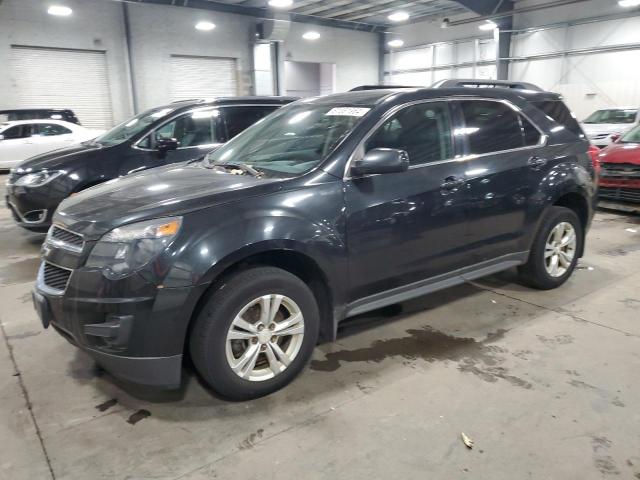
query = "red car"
x=620 y=172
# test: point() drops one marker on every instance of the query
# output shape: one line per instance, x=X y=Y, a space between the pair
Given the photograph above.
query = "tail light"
x=594 y=153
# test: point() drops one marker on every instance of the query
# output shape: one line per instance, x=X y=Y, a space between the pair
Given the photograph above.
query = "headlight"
x=124 y=250
x=37 y=179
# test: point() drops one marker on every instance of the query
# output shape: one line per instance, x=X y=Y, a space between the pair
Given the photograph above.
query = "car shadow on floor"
x=351 y=328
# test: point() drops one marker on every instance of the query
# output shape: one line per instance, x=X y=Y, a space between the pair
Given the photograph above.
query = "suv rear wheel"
x=256 y=332
x=554 y=254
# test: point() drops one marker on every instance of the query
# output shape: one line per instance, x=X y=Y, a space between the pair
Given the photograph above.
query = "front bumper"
x=33 y=208
x=619 y=190
x=133 y=329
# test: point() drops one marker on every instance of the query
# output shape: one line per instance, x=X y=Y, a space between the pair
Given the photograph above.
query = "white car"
x=604 y=127
x=24 y=139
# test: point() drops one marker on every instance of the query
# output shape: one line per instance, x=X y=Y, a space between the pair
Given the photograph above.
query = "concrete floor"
x=545 y=383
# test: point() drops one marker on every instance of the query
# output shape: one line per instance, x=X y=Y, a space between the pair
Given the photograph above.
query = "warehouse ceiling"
x=372 y=15
x=372 y=12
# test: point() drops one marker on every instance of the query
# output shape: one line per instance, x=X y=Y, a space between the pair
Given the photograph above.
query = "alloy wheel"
x=560 y=249
x=265 y=337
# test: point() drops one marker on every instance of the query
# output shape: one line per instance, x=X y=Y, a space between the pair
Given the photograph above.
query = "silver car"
x=604 y=127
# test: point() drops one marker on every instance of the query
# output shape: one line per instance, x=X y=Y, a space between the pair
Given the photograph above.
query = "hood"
x=606 y=128
x=172 y=190
x=64 y=157
x=621 y=153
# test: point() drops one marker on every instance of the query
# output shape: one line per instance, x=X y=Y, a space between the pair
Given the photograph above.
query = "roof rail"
x=380 y=87
x=477 y=83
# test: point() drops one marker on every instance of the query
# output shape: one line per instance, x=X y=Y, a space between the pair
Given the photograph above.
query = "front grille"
x=56 y=278
x=66 y=239
x=622 y=194
x=620 y=170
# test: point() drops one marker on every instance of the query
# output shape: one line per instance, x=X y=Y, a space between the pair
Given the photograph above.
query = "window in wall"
x=495 y=127
x=241 y=117
x=423 y=131
x=193 y=129
x=50 y=129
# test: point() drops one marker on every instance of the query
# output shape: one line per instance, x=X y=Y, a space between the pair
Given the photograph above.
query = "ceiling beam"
x=261 y=13
x=487 y=7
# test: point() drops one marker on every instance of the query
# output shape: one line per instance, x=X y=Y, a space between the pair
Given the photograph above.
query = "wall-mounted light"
x=629 y=3
x=397 y=43
x=205 y=26
x=311 y=36
x=280 y=3
x=488 y=26
x=399 y=17
x=59 y=11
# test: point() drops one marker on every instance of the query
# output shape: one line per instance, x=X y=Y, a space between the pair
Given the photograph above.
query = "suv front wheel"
x=255 y=333
x=554 y=254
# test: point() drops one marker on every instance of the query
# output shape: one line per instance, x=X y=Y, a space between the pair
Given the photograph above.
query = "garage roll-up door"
x=58 y=78
x=202 y=77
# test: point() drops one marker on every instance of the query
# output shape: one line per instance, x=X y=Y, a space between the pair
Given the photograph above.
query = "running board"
x=434 y=284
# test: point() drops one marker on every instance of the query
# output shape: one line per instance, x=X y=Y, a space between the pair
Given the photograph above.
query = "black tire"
x=208 y=336
x=534 y=272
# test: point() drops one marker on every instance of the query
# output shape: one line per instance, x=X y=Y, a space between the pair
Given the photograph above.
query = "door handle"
x=536 y=163
x=451 y=183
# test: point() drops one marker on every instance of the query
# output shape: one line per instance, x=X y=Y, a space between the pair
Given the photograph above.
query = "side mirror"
x=1 y=137
x=615 y=137
x=166 y=144
x=381 y=160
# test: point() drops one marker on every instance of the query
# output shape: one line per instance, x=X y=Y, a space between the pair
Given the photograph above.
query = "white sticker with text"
x=348 y=112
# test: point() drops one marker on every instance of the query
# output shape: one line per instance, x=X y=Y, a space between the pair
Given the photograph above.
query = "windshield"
x=132 y=127
x=632 y=136
x=614 y=115
x=290 y=142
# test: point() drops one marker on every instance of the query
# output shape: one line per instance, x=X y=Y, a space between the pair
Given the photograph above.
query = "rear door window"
x=19 y=131
x=240 y=118
x=495 y=127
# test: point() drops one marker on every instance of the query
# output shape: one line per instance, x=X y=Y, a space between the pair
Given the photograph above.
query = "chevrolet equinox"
x=328 y=208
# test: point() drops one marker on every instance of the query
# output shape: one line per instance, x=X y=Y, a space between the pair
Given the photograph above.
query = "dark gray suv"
x=328 y=208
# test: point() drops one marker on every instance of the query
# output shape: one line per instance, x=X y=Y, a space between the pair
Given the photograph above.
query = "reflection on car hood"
x=171 y=190
x=62 y=158
x=621 y=153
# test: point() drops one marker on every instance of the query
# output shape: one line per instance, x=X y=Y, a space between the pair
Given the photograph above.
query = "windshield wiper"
x=238 y=166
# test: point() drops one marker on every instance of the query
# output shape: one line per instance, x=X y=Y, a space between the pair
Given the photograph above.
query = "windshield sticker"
x=347 y=112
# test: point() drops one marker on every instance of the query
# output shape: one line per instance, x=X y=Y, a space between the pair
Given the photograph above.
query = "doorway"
x=309 y=79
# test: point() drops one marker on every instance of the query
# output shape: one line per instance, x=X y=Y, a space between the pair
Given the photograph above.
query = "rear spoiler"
x=474 y=83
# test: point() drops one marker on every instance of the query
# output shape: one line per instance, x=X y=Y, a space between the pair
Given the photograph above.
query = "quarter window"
x=423 y=131
x=494 y=127
x=193 y=129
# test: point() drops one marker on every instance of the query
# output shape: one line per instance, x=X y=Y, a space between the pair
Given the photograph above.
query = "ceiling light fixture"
x=205 y=26
x=488 y=26
x=311 y=36
x=629 y=3
x=280 y=3
x=59 y=11
x=399 y=17
x=397 y=43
